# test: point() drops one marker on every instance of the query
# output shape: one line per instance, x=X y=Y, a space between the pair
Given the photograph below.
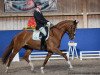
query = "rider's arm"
x=40 y=18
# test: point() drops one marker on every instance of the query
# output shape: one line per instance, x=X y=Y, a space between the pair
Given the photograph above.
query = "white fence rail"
x=42 y=55
x=89 y=54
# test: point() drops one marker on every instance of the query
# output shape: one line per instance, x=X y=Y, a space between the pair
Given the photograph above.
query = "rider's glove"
x=48 y=24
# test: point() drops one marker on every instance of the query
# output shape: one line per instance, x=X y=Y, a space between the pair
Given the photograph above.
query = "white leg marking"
x=31 y=64
x=70 y=64
x=42 y=71
x=6 y=69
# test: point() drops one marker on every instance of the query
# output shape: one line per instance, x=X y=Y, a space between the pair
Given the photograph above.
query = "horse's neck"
x=57 y=32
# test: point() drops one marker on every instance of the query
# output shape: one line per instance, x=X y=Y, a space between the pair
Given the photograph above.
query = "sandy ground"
x=54 y=67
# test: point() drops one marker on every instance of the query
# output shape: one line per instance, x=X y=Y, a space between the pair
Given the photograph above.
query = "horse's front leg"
x=56 y=50
x=46 y=60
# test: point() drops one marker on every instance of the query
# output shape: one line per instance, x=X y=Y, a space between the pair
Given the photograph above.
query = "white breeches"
x=42 y=30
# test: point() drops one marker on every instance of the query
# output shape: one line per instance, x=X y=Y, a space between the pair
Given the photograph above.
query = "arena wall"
x=87 y=12
x=87 y=39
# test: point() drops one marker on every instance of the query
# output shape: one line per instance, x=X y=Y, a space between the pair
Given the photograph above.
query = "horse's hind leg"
x=26 y=57
x=56 y=50
x=15 y=50
x=46 y=60
x=10 y=59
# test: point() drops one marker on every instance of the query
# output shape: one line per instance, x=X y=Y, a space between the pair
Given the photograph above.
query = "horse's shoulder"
x=24 y=32
x=27 y=31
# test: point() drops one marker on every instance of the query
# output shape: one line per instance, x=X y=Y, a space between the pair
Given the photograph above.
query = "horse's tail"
x=7 y=52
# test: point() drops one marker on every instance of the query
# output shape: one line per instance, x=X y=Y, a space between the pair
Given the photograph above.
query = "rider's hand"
x=48 y=24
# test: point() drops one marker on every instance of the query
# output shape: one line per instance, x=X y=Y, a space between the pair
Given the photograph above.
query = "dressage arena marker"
x=16 y=58
x=42 y=55
x=89 y=54
x=72 y=49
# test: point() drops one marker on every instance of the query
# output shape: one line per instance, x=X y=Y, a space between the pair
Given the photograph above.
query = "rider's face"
x=39 y=6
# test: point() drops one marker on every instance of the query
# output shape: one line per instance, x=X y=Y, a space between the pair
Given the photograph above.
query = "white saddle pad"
x=36 y=34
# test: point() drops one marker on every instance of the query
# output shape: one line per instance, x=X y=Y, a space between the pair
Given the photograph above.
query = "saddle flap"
x=37 y=35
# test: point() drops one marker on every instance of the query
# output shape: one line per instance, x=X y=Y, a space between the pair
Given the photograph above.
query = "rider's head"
x=38 y=5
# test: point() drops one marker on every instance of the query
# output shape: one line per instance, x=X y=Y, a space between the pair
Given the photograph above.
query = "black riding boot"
x=43 y=43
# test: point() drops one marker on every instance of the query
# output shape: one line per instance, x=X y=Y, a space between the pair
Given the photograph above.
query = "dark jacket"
x=39 y=18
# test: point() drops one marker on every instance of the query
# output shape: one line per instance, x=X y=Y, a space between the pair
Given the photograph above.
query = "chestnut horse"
x=24 y=40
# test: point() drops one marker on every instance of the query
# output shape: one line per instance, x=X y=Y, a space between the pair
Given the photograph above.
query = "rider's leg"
x=43 y=43
x=43 y=30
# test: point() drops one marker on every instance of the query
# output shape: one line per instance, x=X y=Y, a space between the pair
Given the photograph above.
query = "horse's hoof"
x=32 y=69
x=6 y=69
x=42 y=71
x=71 y=67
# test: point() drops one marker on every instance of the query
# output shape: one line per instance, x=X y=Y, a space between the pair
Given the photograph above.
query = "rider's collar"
x=38 y=9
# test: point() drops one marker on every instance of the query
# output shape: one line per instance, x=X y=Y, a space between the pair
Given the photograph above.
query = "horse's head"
x=68 y=26
x=71 y=28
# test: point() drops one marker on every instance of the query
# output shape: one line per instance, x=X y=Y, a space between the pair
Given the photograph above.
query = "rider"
x=41 y=23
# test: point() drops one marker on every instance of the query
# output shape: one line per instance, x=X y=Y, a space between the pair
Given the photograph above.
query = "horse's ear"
x=76 y=22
